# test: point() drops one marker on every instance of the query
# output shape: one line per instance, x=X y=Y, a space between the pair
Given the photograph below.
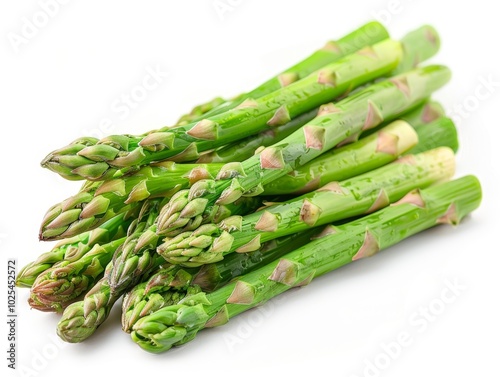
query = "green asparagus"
x=348 y=161
x=339 y=245
x=131 y=262
x=60 y=285
x=164 y=179
x=367 y=109
x=72 y=249
x=245 y=148
x=335 y=201
x=82 y=318
x=99 y=201
x=199 y=111
x=133 y=259
x=365 y=155
x=441 y=132
x=367 y=35
x=125 y=152
x=169 y=286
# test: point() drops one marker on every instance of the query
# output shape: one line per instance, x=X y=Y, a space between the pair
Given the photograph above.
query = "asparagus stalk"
x=419 y=45
x=125 y=152
x=137 y=256
x=439 y=133
x=339 y=245
x=367 y=109
x=100 y=201
x=365 y=155
x=367 y=35
x=72 y=249
x=199 y=111
x=82 y=318
x=59 y=286
x=426 y=112
x=348 y=161
x=245 y=148
x=166 y=287
x=335 y=201
x=169 y=286
x=133 y=258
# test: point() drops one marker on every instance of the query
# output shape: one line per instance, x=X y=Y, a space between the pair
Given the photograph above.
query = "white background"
x=62 y=83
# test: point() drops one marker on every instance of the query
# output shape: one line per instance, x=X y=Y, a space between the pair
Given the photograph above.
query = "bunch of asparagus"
x=328 y=162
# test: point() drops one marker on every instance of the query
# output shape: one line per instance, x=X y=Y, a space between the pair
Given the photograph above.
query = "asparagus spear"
x=347 y=161
x=419 y=45
x=441 y=132
x=335 y=201
x=169 y=286
x=137 y=256
x=245 y=148
x=367 y=35
x=339 y=245
x=60 y=285
x=82 y=318
x=133 y=258
x=166 y=287
x=125 y=152
x=367 y=109
x=72 y=249
x=199 y=111
x=424 y=113
x=99 y=201
x=365 y=155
